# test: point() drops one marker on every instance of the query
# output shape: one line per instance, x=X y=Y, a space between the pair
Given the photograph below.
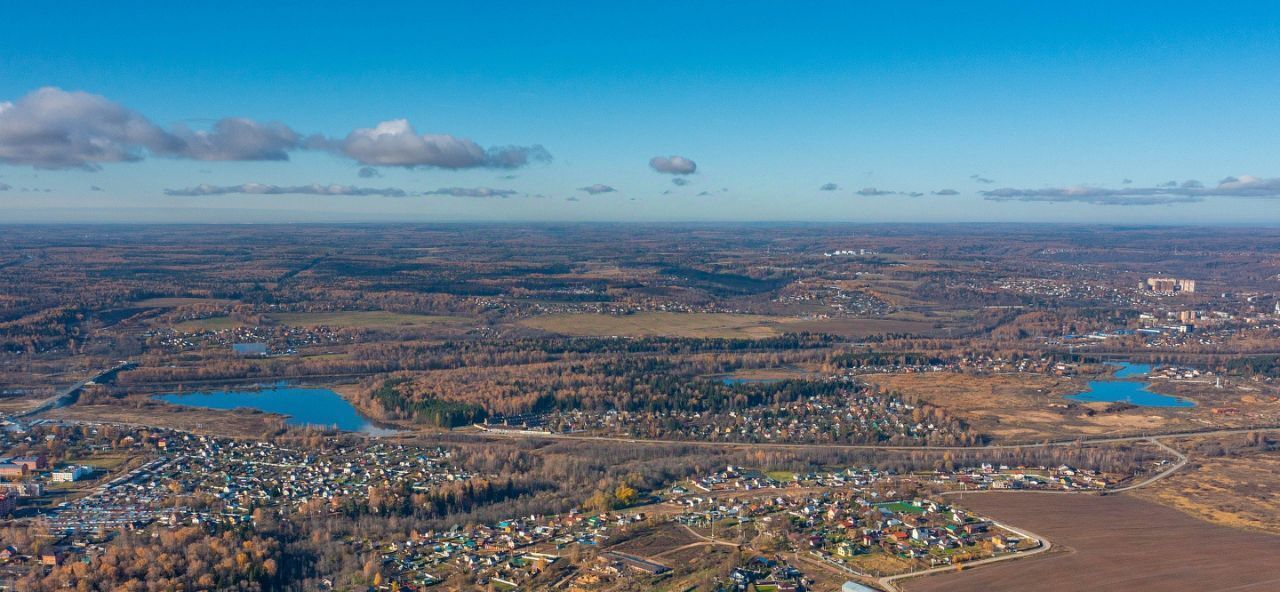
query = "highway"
x=69 y=395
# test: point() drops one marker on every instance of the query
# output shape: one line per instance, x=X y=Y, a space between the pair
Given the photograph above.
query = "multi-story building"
x=1168 y=285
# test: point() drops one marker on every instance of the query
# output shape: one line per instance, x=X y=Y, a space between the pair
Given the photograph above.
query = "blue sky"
x=1074 y=113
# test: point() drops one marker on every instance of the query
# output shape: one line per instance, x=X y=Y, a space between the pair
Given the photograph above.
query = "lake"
x=301 y=405
x=1128 y=391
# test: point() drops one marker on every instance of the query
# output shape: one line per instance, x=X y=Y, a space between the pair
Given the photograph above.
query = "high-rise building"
x=1169 y=285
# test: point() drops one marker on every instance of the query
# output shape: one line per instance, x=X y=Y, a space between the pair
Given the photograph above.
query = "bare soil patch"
x=1116 y=543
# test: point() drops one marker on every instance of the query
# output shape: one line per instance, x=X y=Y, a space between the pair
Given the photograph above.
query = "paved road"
x=1043 y=544
x=482 y=433
x=889 y=583
x=1182 y=462
x=69 y=395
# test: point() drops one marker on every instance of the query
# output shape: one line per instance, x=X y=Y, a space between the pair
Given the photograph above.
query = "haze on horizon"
x=993 y=112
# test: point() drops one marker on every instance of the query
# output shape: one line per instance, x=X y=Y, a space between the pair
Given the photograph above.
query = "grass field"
x=902 y=508
x=350 y=319
x=1019 y=406
x=109 y=462
x=1242 y=491
x=364 y=319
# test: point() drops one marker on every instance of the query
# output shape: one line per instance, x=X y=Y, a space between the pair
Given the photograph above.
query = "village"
x=853 y=521
x=844 y=414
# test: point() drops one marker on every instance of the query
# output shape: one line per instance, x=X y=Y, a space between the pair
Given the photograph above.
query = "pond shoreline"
x=302 y=406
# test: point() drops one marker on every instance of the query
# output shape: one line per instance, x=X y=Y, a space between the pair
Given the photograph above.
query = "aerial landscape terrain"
x=827 y=296
x=617 y=407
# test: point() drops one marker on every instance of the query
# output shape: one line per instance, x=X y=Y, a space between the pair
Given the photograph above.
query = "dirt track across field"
x=1115 y=542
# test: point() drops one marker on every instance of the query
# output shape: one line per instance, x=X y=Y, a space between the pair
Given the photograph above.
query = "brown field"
x=175 y=302
x=1115 y=543
x=348 y=319
x=716 y=325
x=655 y=540
x=159 y=414
x=670 y=324
x=1020 y=406
x=1239 y=491
x=372 y=319
x=858 y=328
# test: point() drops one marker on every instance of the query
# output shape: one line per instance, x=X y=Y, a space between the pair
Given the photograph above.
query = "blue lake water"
x=732 y=380
x=303 y=406
x=1128 y=391
x=1128 y=370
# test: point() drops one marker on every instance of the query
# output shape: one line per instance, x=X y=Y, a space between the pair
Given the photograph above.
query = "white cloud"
x=673 y=165
x=51 y=128
x=397 y=143
x=597 y=189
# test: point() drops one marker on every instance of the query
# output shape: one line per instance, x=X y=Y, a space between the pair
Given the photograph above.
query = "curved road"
x=1042 y=545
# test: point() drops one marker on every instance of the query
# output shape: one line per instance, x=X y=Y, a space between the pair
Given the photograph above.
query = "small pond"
x=734 y=380
x=1134 y=392
x=303 y=406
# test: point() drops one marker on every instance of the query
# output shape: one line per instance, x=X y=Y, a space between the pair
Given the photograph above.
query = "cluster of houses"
x=275 y=338
x=218 y=482
x=840 y=299
x=872 y=482
x=849 y=519
x=851 y=415
x=508 y=553
x=838 y=516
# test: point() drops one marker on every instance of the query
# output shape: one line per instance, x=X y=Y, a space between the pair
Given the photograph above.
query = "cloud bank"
x=472 y=192
x=51 y=128
x=1170 y=192
x=261 y=189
